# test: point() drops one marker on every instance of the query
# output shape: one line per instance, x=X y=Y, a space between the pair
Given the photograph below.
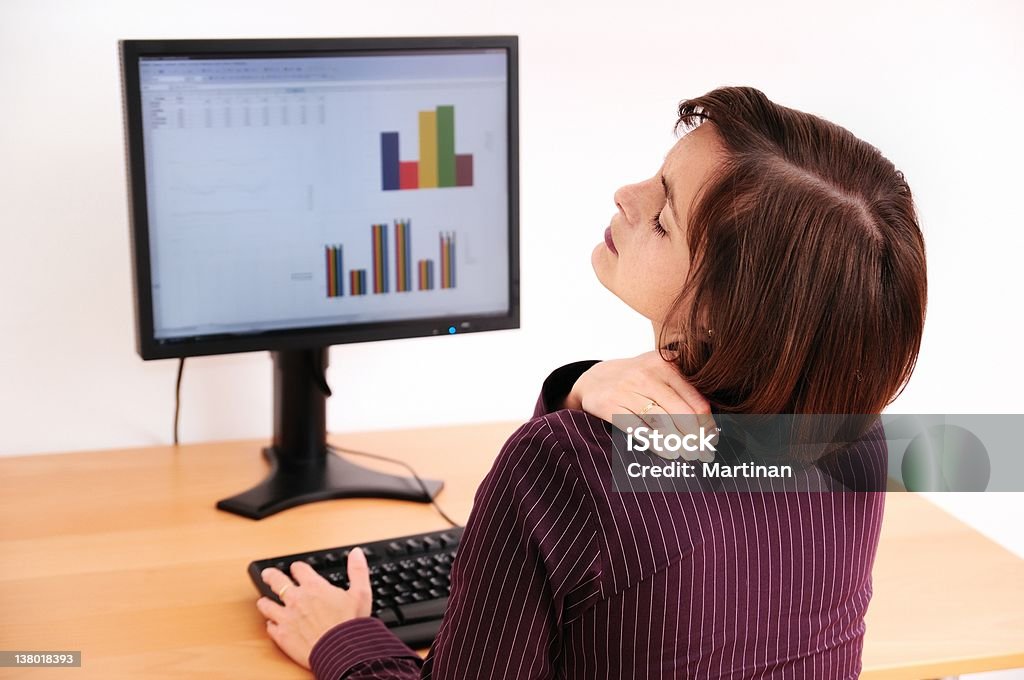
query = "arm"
x=528 y=563
x=363 y=646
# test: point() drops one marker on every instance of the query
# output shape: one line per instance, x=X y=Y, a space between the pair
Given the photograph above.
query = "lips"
x=608 y=240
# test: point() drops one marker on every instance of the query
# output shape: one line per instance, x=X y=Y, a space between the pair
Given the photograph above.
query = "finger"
x=625 y=419
x=666 y=411
x=358 y=572
x=667 y=371
x=359 y=578
x=276 y=579
x=652 y=422
x=698 y=404
x=271 y=610
x=305 y=574
x=681 y=414
x=685 y=390
x=681 y=424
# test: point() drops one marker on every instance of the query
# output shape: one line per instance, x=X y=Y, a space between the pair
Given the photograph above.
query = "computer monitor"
x=292 y=194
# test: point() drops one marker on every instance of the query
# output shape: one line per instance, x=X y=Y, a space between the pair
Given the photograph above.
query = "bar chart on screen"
x=390 y=261
x=438 y=165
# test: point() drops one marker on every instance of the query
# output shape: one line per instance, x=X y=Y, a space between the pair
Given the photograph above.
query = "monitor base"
x=288 y=485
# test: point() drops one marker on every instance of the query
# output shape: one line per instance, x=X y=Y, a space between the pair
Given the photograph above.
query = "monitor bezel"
x=149 y=347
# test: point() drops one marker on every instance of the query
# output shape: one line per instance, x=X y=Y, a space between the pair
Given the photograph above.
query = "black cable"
x=408 y=467
x=177 y=398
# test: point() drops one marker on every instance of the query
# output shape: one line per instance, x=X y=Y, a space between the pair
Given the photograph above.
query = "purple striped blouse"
x=560 y=576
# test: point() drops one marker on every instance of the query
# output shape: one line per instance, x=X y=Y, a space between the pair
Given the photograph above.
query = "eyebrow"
x=668 y=196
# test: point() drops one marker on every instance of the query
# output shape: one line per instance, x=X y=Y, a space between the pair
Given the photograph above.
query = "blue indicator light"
x=451 y=330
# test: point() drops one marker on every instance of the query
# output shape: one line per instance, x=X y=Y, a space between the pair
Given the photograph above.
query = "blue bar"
x=338 y=276
x=389 y=159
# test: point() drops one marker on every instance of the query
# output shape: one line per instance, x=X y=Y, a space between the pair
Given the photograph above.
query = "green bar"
x=445 y=146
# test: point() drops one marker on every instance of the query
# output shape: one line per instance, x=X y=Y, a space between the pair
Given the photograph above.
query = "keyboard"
x=408 y=575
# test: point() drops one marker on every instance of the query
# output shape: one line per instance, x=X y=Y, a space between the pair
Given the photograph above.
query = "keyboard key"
x=414 y=545
x=422 y=611
x=395 y=548
x=447 y=539
x=387 y=617
x=431 y=543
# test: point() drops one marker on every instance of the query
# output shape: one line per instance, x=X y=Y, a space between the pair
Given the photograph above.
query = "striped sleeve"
x=362 y=648
x=528 y=564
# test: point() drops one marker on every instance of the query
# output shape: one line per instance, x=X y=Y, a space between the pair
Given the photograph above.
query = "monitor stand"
x=302 y=470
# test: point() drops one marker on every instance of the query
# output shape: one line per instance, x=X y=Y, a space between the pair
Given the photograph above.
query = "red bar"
x=408 y=175
x=463 y=170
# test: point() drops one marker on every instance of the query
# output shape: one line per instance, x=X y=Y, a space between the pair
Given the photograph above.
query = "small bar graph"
x=334 y=269
x=447 y=243
x=438 y=164
x=357 y=281
x=383 y=260
x=380 y=258
x=403 y=280
x=426 y=275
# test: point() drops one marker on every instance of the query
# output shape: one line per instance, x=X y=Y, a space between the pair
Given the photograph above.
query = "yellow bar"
x=428 y=149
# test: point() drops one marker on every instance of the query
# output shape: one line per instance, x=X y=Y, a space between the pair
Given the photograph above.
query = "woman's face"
x=643 y=264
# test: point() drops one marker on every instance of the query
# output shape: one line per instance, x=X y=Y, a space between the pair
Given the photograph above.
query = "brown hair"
x=807 y=287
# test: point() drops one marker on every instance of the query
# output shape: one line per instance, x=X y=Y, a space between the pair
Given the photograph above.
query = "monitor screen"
x=321 y=195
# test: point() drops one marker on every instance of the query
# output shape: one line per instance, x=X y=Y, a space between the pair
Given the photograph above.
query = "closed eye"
x=657 y=226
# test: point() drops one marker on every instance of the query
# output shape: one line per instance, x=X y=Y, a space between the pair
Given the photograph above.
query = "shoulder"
x=566 y=442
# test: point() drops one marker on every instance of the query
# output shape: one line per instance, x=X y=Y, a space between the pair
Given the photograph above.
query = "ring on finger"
x=651 y=404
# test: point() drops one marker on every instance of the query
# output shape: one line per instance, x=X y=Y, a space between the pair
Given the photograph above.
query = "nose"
x=627 y=200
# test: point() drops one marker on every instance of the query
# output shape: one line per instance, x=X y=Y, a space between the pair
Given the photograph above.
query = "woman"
x=780 y=262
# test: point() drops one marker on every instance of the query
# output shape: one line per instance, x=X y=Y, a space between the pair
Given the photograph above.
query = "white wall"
x=936 y=85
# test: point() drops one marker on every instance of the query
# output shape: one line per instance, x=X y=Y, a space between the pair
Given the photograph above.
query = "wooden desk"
x=121 y=554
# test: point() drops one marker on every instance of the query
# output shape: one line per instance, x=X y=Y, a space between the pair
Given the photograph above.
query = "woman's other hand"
x=626 y=387
x=312 y=605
